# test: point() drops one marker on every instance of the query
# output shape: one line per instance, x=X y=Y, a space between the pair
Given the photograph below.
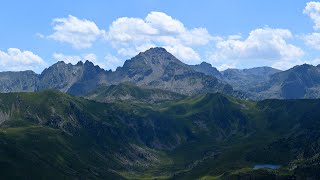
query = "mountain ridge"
x=158 y=69
x=155 y=68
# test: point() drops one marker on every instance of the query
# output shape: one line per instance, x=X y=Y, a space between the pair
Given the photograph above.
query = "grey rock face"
x=60 y=76
x=74 y=79
x=207 y=69
x=24 y=81
x=156 y=68
x=91 y=78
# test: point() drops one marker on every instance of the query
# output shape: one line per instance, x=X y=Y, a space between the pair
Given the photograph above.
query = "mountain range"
x=155 y=68
x=158 y=69
x=299 y=82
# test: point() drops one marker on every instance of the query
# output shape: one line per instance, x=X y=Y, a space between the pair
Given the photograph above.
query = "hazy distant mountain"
x=298 y=82
x=265 y=82
x=260 y=73
x=246 y=79
x=239 y=79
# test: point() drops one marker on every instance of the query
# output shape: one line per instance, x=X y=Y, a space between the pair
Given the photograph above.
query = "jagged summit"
x=155 y=50
x=155 y=56
x=207 y=69
x=80 y=63
x=157 y=68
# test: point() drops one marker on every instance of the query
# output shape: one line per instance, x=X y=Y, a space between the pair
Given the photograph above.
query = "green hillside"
x=131 y=92
x=52 y=135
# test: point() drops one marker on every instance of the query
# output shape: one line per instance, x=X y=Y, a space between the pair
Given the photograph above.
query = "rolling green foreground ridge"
x=53 y=135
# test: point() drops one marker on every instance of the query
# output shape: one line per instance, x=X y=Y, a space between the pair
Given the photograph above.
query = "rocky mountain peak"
x=156 y=56
x=207 y=69
x=80 y=63
x=88 y=63
x=303 y=67
x=205 y=64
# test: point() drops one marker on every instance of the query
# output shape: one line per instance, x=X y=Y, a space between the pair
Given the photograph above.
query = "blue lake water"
x=266 y=166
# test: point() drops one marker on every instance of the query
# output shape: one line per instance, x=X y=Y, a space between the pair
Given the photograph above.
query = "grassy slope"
x=133 y=93
x=42 y=140
x=51 y=134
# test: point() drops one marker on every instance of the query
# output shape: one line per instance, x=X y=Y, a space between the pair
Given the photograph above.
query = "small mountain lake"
x=266 y=166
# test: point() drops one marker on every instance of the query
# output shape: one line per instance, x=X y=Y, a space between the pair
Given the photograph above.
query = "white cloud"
x=315 y=62
x=235 y=37
x=223 y=67
x=164 y=23
x=312 y=40
x=186 y=53
x=288 y=64
x=264 y=44
x=125 y=30
x=132 y=51
x=284 y=65
x=112 y=62
x=312 y=9
x=80 y=33
x=16 y=60
x=132 y=35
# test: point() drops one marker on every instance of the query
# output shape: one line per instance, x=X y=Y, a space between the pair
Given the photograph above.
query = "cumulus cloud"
x=312 y=40
x=312 y=9
x=80 y=33
x=133 y=35
x=315 y=61
x=129 y=36
x=17 y=60
x=223 y=67
x=186 y=53
x=263 y=44
x=289 y=64
x=112 y=62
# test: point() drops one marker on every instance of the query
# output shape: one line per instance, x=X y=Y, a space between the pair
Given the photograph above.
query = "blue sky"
x=226 y=33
